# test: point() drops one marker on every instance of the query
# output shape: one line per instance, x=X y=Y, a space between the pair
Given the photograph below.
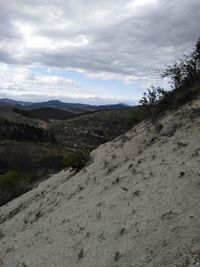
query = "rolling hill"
x=78 y=107
x=45 y=113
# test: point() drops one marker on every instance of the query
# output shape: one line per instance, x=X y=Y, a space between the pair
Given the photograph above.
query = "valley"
x=36 y=142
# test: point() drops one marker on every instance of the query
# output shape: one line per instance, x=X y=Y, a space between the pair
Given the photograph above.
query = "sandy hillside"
x=137 y=204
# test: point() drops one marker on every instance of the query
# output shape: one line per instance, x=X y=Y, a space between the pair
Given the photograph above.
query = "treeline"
x=24 y=132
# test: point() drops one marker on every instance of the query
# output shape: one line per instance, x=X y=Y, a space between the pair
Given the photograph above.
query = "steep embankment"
x=136 y=204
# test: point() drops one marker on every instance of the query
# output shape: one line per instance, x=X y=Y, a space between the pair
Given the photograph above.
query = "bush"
x=76 y=161
x=185 y=70
x=184 y=79
x=153 y=96
x=137 y=115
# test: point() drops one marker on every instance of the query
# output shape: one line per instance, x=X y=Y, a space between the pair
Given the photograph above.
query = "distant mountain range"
x=59 y=105
x=11 y=102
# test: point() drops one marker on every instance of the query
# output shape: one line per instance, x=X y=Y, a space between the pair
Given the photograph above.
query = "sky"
x=91 y=51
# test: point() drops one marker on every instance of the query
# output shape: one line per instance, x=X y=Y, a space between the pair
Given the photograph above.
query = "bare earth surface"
x=137 y=204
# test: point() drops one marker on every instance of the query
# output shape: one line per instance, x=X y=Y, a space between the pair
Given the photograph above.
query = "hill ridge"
x=60 y=105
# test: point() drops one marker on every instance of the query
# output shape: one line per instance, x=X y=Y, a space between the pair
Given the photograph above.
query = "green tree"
x=185 y=70
x=152 y=96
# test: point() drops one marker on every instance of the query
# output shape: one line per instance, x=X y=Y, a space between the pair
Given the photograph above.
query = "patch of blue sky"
x=98 y=87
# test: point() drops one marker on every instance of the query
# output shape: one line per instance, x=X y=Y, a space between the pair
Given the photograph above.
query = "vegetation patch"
x=22 y=132
x=76 y=161
x=184 y=80
x=12 y=184
x=137 y=115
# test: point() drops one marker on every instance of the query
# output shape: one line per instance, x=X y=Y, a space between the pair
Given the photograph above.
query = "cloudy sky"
x=93 y=51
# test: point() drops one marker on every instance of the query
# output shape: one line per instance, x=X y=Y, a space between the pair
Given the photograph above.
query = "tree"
x=153 y=96
x=197 y=54
x=175 y=73
x=185 y=70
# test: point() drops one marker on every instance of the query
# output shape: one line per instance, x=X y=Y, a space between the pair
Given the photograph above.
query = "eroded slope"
x=136 y=204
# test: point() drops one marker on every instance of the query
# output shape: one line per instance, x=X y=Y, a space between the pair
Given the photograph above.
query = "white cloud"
x=18 y=81
x=122 y=40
